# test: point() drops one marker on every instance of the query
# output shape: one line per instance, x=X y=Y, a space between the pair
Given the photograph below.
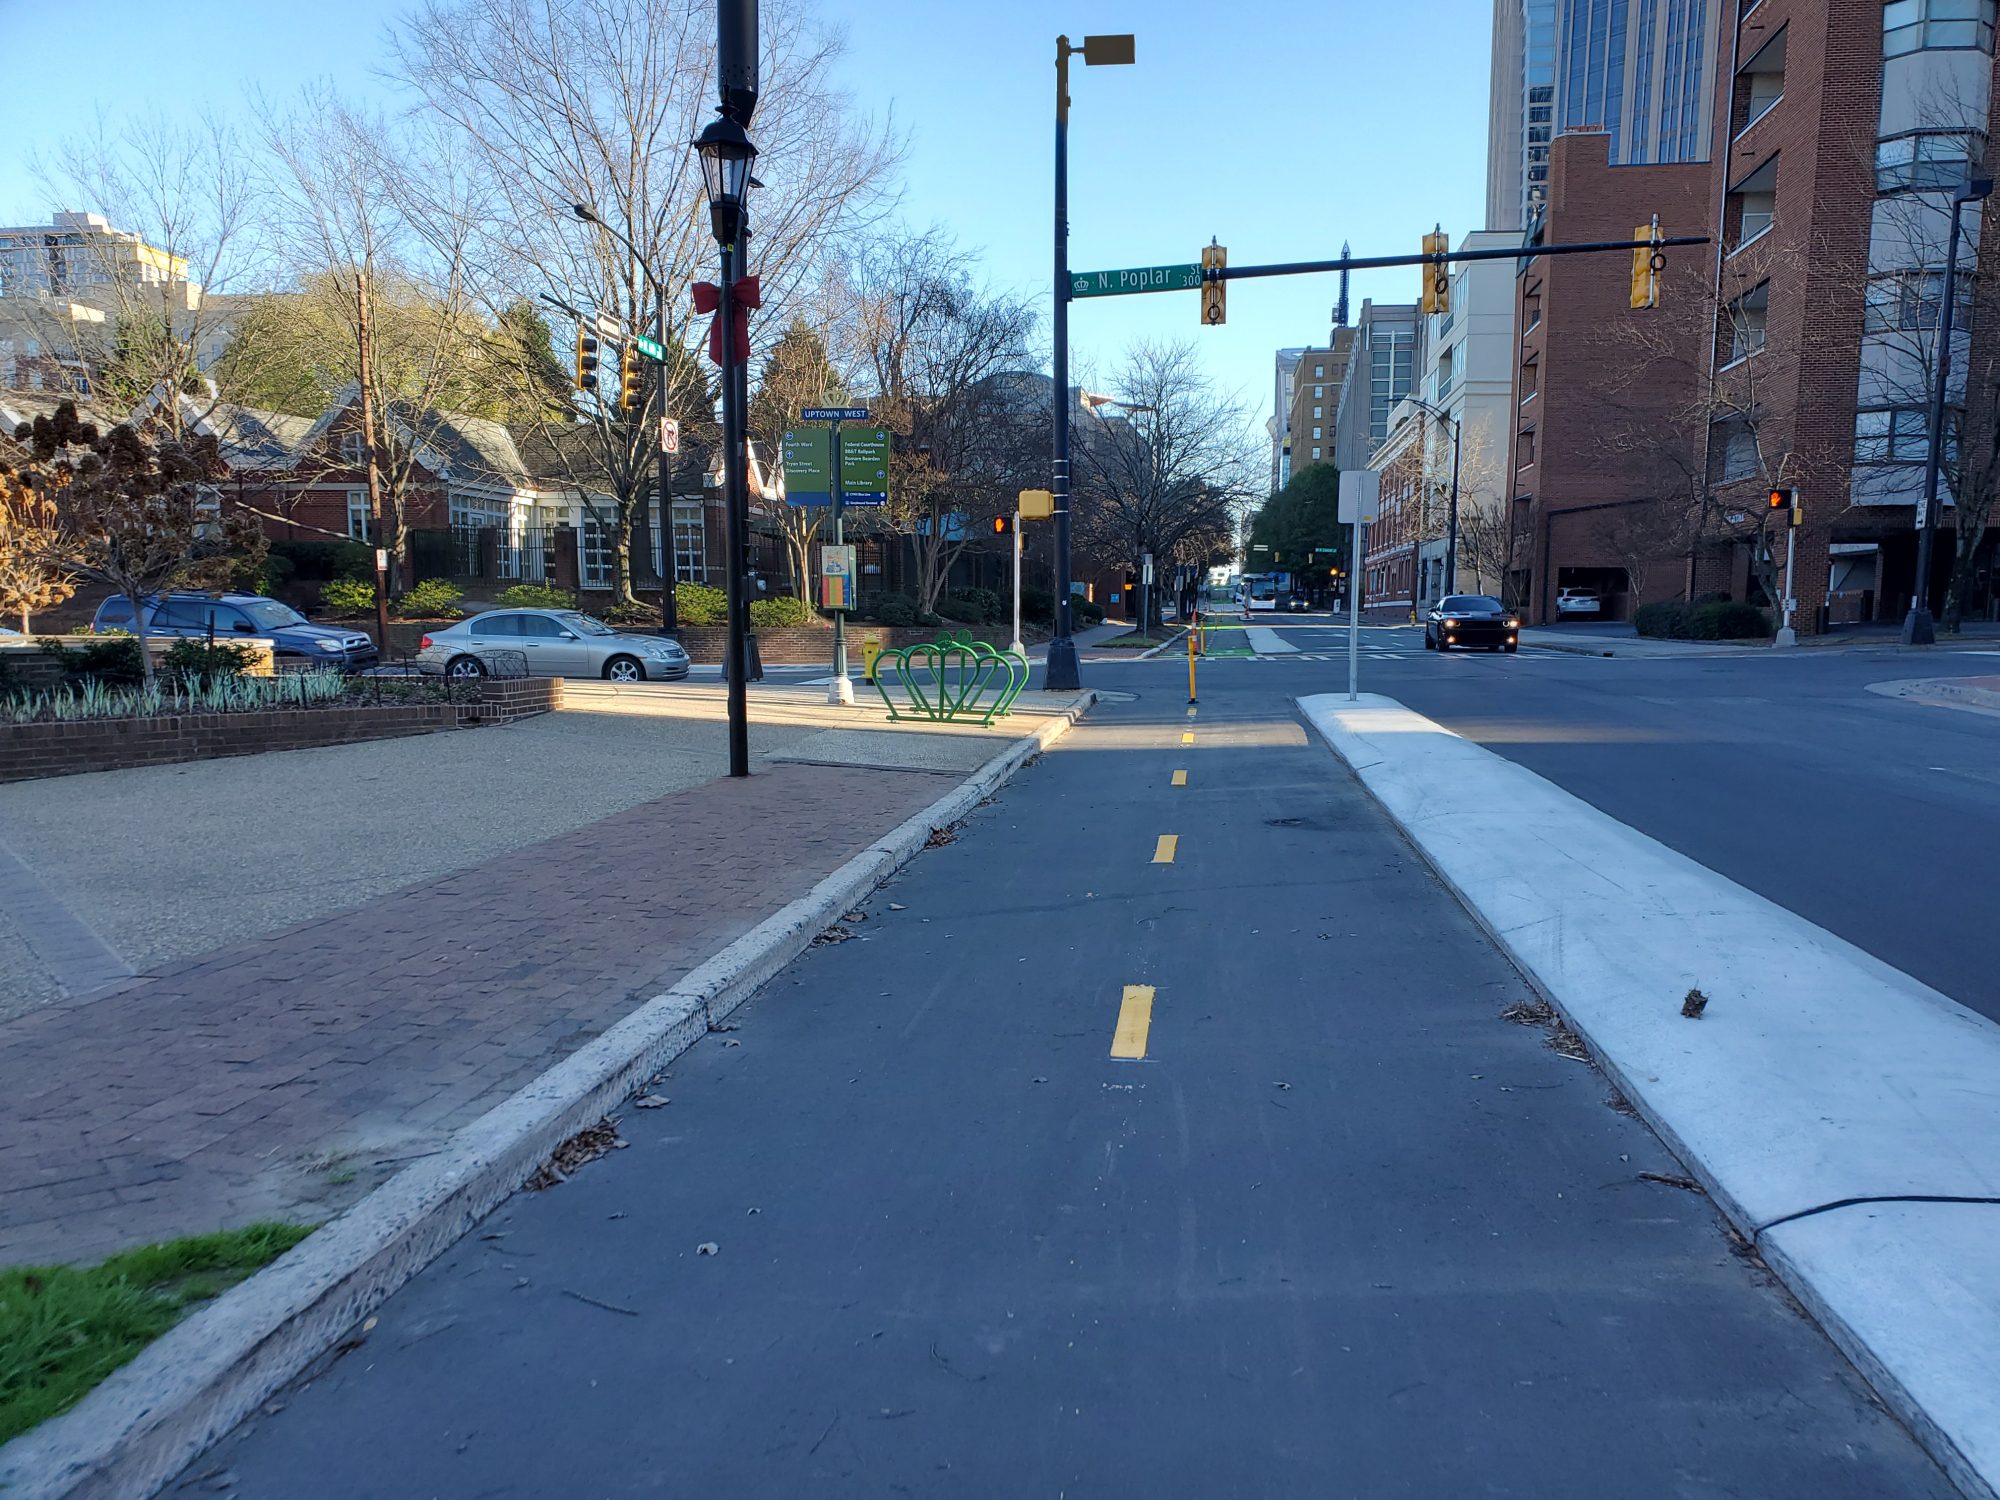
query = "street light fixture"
x=726 y=156
x=1918 y=627
x=1060 y=675
x=670 y=614
x=1451 y=525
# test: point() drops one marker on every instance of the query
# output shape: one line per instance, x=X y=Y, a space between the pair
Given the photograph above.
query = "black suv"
x=291 y=634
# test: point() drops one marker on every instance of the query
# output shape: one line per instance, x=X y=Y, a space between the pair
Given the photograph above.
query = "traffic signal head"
x=1781 y=500
x=1788 y=502
x=586 y=359
x=1647 y=263
x=631 y=381
x=1437 y=274
x=1003 y=525
x=1214 y=294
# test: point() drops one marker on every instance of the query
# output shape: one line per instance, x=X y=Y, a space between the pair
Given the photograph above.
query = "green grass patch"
x=1132 y=641
x=64 y=1328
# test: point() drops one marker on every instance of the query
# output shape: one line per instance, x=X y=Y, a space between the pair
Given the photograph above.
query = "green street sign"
x=652 y=348
x=808 y=467
x=864 y=465
x=1144 y=279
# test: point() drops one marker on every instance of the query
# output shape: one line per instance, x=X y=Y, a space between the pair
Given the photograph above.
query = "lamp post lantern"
x=1061 y=674
x=726 y=157
x=1918 y=627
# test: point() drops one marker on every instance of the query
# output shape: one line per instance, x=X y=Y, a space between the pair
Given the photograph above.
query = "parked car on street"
x=1471 y=620
x=1297 y=604
x=553 y=643
x=1577 y=602
x=294 y=639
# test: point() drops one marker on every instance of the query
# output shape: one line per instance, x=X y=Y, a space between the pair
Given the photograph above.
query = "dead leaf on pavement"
x=650 y=1101
x=831 y=935
x=585 y=1146
x=707 y=1247
x=940 y=837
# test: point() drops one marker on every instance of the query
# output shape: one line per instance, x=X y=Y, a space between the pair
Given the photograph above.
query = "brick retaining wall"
x=30 y=751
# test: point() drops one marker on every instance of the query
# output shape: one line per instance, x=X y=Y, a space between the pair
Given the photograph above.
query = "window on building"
x=1908 y=302
x=1315 y=455
x=350 y=448
x=1319 y=392
x=1752 y=206
x=357 y=516
x=1319 y=373
x=690 y=549
x=1530 y=380
x=1315 y=432
x=1316 y=411
x=1913 y=25
x=1531 y=314
x=1900 y=436
x=1925 y=162
x=1524 y=450
x=1735 y=447
x=1747 y=315
x=1764 y=75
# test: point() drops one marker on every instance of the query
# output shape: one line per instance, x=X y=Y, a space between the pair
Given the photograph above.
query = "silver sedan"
x=552 y=643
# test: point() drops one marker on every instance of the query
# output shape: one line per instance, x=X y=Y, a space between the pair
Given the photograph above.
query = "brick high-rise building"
x=1848 y=123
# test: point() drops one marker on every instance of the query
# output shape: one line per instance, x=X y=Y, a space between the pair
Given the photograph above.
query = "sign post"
x=1360 y=497
x=843 y=468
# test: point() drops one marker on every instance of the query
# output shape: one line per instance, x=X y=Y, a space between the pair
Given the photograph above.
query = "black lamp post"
x=670 y=615
x=1060 y=675
x=726 y=158
x=1918 y=627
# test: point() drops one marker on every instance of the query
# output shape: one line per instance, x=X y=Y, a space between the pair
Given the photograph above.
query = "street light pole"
x=1451 y=523
x=1918 y=627
x=1061 y=675
x=670 y=617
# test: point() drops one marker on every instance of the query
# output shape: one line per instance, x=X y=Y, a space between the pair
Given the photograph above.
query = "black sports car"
x=1471 y=620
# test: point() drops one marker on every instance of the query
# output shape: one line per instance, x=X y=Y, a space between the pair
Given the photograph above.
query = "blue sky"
x=1278 y=126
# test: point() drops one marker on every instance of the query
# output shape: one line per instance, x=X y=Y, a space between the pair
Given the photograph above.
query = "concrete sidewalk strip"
x=1578 y=643
x=1267 y=642
x=147 y=1420
x=1819 y=1092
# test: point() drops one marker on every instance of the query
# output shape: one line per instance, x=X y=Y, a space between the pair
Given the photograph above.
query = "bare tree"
x=933 y=347
x=390 y=278
x=1171 y=476
x=167 y=306
x=594 y=102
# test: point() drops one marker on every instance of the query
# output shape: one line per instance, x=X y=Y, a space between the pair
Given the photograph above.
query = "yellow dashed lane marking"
x=1188 y=738
x=1163 y=851
x=1135 y=1019
x=1180 y=778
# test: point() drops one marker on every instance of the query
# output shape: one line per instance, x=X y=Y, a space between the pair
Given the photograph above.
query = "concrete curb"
x=1853 y=1143
x=149 y=1419
x=1165 y=646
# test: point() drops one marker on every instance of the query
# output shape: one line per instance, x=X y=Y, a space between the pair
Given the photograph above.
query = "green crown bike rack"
x=952 y=678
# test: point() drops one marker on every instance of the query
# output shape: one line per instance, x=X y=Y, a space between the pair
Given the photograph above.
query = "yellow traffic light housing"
x=1035 y=505
x=586 y=359
x=1214 y=294
x=1437 y=274
x=631 y=379
x=1648 y=260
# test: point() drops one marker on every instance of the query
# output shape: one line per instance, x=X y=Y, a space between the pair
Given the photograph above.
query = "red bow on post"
x=708 y=299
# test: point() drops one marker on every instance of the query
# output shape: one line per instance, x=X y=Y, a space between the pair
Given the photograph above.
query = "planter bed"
x=64 y=748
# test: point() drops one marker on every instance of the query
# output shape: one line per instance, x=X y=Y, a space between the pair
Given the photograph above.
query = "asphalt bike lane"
x=1158 y=1134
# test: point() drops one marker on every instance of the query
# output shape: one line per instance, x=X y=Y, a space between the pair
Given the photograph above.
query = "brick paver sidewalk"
x=289 y=1075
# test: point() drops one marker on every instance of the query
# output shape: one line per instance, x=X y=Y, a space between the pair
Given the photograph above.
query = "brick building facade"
x=1599 y=395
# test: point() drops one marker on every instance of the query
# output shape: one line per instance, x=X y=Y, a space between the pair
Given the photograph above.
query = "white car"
x=1577 y=602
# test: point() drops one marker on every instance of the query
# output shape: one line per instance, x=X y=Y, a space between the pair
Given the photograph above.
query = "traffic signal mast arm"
x=1379 y=262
